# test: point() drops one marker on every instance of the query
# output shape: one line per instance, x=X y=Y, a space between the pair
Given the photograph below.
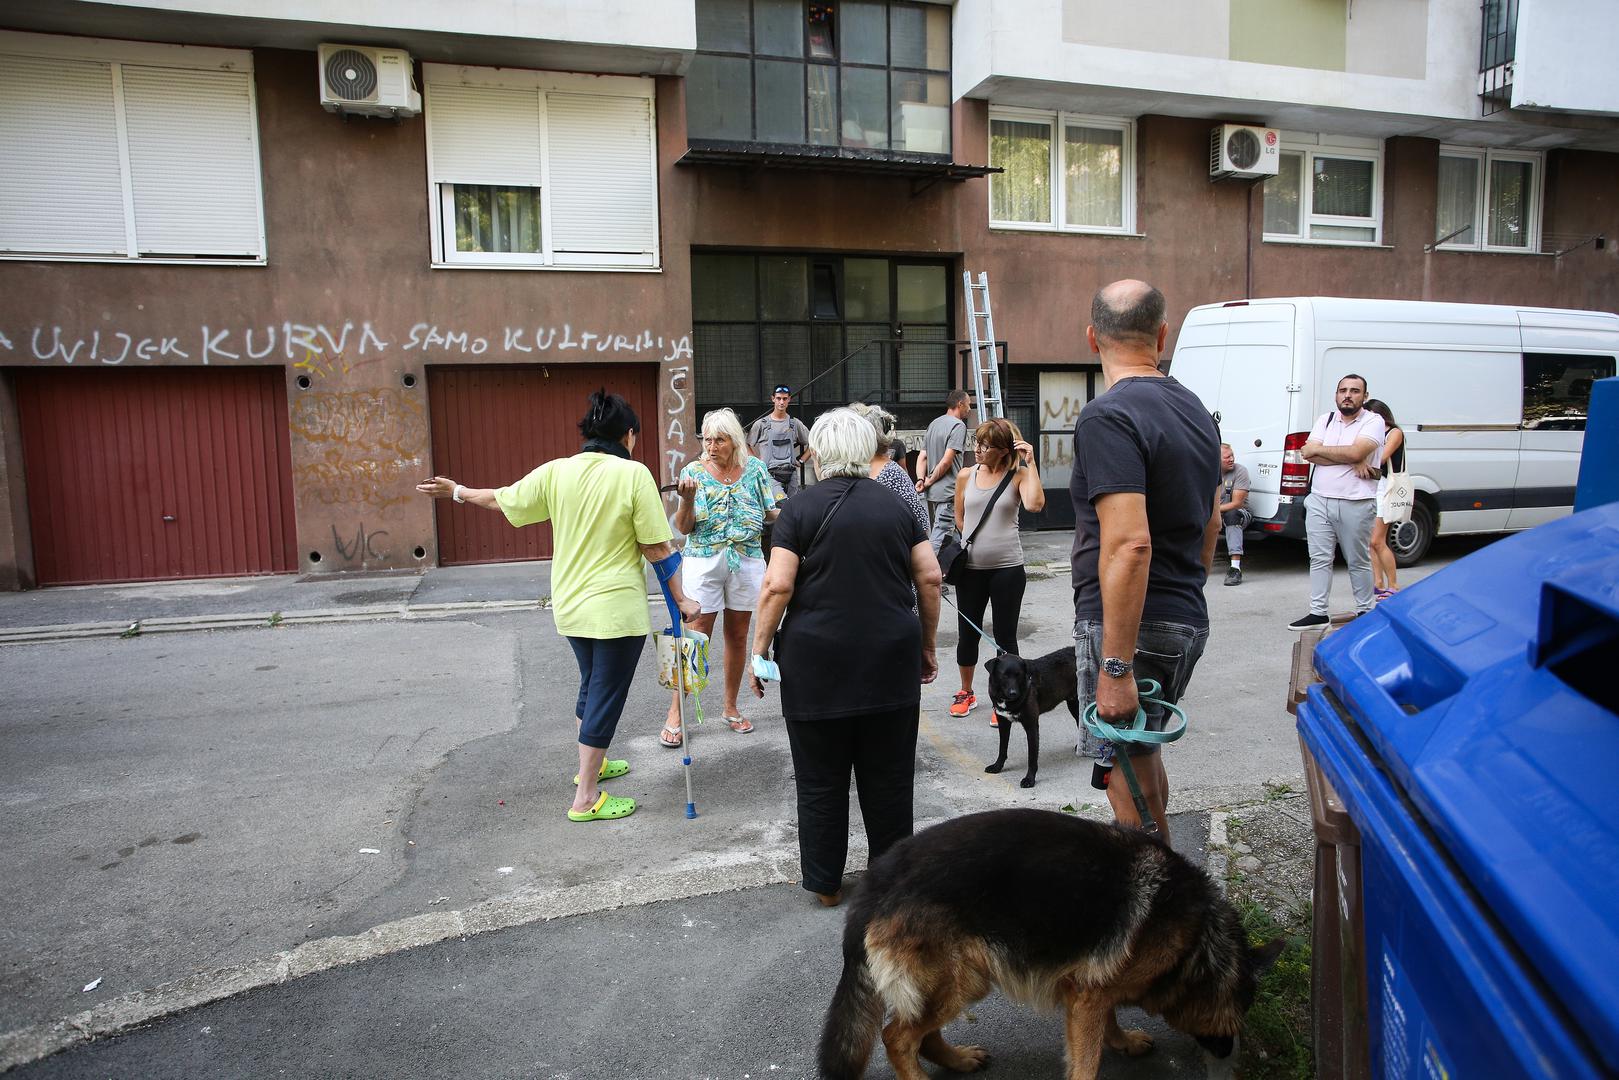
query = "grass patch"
x=1276 y=1039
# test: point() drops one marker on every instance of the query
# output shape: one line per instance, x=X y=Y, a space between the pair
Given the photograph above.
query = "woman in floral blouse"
x=726 y=498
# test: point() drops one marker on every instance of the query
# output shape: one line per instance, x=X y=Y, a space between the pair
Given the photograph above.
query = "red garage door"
x=492 y=425
x=137 y=475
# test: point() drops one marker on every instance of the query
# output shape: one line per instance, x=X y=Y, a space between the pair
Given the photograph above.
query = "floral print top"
x=730 y=517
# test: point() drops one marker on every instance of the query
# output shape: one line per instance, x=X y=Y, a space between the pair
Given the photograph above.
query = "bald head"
x=1130 y=312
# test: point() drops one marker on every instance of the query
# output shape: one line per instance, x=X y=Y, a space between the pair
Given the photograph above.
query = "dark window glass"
x=919 y=36
x=1557 y=389
x=822 y=95
x=865 y=107
x=863 y=30
x=865 y=288
x=719 y=99
x=778 y=27
x=723 y=26
x=783 y=287
x=824 y=292
x=822 y=32
x=921 y=294
x=778 y=89
x=728 y=362
x=784 y=355
x=722 y=288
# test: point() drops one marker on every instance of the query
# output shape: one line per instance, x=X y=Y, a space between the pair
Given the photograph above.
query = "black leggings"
x=975 y=592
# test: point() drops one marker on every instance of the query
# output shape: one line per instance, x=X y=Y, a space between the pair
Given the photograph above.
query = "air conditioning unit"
x=367 y=81
x=1241 y=152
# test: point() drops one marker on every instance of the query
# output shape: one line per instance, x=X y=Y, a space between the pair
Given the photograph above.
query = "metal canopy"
x=830 y=159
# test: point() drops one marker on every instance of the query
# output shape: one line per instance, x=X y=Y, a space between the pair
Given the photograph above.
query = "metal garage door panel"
x=141 y=475
x=493 y=424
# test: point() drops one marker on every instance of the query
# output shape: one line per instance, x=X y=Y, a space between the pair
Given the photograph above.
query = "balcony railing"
x=1498 y=42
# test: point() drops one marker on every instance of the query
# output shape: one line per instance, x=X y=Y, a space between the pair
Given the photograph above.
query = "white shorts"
x=706 y=580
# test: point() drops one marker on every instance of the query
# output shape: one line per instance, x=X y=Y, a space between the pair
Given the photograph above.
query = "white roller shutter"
x=603 y=184
x=484 y=135
x=193 y=163
x=61 y=182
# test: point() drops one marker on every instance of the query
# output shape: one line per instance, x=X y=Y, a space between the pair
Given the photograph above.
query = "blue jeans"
x=1166 y=652
x=606 y=667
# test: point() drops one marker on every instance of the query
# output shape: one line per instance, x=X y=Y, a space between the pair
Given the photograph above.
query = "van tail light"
x=1295 y=470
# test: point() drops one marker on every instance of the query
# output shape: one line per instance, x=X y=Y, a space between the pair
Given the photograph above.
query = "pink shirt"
x=1340 y=481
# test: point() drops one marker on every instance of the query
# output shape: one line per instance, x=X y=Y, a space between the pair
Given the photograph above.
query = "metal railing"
x=1498 y=44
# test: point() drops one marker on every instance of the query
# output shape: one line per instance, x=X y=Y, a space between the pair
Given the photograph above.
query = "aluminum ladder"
x=981 y=336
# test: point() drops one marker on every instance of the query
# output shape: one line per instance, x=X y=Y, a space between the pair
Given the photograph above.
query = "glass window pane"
x=722 y=287
x=778 y=27
x=783 y=287
x=727 y=363
x=865 y=107
x=924 y=364
x=863 y=32
x=821 y=23
x=1023 y=191
x=1511 y=188
x=921 y=112
x=1557 y=389
x=719 y=99
x=822 y=90
x=824 y=292
x=1093 y=172
x=865 y=288
x=502 y=219
x=1458 y=200
x=1343 y=232
x=1282 y=196
x=778 y=88
x=723 y=25
x=908 y=36
x=921 y=294
x=826 y=349
x=938 y=57
x=869 y=368
x=1343 y=187
x=784 y=355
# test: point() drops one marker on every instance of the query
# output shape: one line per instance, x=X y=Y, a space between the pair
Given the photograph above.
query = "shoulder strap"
x=1007 y=479
x=830 y=514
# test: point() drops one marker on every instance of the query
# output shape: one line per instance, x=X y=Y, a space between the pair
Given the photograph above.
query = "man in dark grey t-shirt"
x=1146 y=467
x=943 y=450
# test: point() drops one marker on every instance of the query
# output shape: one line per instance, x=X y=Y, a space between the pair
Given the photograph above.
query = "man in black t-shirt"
x=1146 y=468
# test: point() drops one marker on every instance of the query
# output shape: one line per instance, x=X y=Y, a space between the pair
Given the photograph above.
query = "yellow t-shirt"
x=600 y=507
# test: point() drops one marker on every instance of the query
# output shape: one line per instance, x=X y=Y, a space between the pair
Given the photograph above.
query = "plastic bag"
x=690 y=651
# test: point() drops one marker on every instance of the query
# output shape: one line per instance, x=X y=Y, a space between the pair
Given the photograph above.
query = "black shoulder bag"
x=775 y=641
x=953 y=555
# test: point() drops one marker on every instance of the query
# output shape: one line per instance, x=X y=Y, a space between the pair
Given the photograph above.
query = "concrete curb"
x=29 y=1044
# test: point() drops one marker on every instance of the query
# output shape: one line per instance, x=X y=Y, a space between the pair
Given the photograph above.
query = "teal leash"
x=992 y=642
x=1137 y=732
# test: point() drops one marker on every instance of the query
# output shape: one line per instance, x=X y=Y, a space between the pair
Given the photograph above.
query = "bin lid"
x=1490 y=691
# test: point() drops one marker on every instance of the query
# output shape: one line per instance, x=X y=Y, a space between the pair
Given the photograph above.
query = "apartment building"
x=263 y=267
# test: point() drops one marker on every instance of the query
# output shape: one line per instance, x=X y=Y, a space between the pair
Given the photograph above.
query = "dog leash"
x=992 y=642
x=1137 y=732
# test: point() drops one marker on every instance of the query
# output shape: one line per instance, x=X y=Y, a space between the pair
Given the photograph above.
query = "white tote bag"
x=1398 y=498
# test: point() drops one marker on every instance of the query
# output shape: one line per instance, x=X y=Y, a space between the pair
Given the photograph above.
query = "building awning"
x=831 y=159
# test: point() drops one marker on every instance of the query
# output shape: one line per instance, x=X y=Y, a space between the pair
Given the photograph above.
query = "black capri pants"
x=1000 y=589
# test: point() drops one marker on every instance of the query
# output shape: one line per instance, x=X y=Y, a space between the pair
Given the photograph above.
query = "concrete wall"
x=1565 y=56
x=348 y=301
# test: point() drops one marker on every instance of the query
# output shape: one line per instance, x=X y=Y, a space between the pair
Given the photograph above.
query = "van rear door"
x=1255 y=399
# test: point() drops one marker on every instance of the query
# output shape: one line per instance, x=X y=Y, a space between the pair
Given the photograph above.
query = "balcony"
x=1498 y=46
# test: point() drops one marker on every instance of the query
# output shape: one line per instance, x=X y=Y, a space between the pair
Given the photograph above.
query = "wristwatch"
x=1114 y=668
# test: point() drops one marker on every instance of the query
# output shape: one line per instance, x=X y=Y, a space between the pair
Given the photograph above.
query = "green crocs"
x=607 y=807
x=611 y=769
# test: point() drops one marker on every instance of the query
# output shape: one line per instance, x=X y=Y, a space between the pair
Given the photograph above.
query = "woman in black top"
x=1391 y=454
x=853 y=656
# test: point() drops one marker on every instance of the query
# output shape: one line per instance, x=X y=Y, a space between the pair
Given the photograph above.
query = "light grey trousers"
x=943 y=516
x=1345 y=524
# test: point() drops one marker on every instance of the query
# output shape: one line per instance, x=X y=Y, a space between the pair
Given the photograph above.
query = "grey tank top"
x=999 y=544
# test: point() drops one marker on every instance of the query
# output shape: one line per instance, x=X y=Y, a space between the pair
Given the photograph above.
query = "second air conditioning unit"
x=367 y=81
x=1238 y=151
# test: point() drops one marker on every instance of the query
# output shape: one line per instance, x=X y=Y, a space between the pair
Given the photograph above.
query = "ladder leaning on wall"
x=981 y=337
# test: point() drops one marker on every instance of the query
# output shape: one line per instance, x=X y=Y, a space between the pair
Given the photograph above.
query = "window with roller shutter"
x=536 y=169
x=127 y=151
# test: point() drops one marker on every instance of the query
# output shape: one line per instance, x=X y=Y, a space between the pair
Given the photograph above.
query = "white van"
x=1492 y=400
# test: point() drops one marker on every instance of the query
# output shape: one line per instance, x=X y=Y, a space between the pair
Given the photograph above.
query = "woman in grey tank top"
x=994 y=578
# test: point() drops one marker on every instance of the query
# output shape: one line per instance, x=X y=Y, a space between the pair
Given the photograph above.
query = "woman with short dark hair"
x=605 y=517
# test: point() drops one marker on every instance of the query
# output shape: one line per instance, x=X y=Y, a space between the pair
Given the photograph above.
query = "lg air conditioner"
x=1237 y=151
x=367 y=81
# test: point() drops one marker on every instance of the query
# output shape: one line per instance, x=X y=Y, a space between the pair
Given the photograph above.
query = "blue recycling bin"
x=1470 y=725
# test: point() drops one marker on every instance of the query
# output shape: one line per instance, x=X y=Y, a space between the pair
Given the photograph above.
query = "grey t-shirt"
x=945 y=433
x=1235 y=480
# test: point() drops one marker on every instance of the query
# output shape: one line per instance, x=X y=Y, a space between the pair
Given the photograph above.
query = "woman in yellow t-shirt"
x=605 y=517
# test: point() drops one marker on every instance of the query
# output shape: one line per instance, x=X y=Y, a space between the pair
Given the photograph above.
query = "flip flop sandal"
x=606 y=808
x=610 y=770
x=670 y=737
x=739 y=724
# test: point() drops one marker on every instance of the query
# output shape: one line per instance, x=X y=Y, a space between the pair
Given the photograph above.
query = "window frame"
x=1371 y=151
x=441 y=194
x=1486 y=156
x=1056 y=125
x=118 y=54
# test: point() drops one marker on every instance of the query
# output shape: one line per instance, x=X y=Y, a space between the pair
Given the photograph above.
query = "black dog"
x=1024 y=690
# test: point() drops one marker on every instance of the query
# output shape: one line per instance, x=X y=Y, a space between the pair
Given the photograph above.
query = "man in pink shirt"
x=1342 y=502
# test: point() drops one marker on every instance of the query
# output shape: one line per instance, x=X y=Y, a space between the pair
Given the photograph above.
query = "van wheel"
x=1410 y=541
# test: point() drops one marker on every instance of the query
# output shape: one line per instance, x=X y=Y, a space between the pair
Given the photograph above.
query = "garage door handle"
x=168 y=517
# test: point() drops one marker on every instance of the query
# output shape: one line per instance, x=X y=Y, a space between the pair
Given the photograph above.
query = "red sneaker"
x=963 y=704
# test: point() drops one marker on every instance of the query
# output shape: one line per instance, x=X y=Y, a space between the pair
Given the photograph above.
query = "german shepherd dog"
x=1058 y=912
x=1022 y=691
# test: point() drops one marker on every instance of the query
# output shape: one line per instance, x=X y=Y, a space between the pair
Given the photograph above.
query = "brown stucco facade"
x=351 y=308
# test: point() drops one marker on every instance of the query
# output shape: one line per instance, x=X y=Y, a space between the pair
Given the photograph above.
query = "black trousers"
x=975 y=593
x=880 y=749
